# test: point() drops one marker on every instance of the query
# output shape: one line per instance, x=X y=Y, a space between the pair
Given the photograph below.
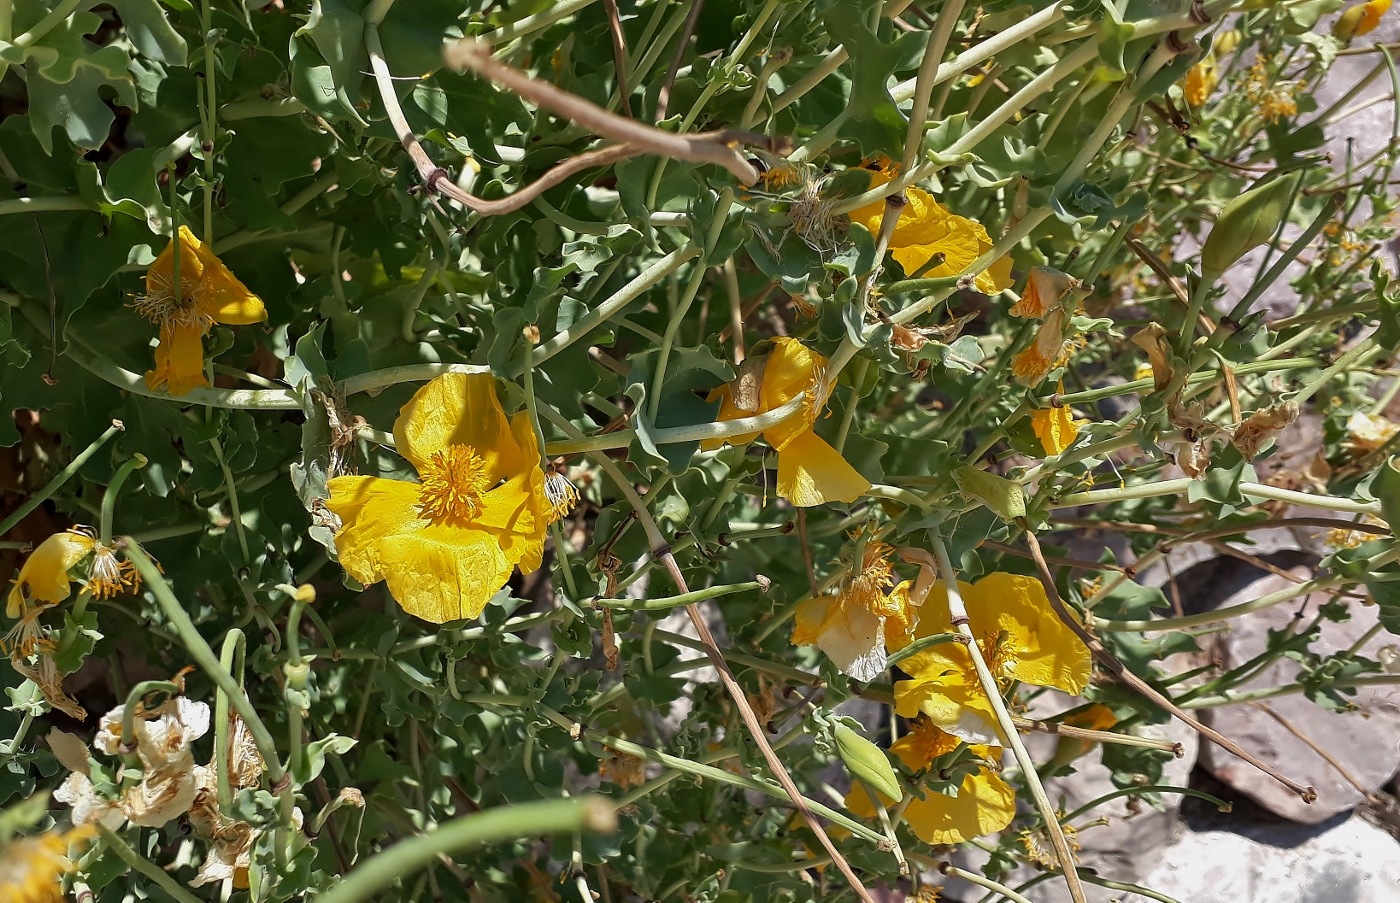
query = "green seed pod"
x=1245 y=223
x=867 y=762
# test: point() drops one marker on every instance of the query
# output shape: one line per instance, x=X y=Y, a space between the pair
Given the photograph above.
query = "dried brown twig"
x=1120 y=671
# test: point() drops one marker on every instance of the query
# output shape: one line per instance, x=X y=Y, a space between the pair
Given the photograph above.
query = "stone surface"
x=1364 y=743
x=1348 y=862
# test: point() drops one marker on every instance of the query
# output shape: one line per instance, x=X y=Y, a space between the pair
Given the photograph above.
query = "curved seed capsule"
x=867 y=762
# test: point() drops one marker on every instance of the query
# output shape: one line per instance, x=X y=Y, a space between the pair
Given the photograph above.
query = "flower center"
x=999 y=653
x=454 y=482
x=163 y=306
x=110 y=576
x=561 y=494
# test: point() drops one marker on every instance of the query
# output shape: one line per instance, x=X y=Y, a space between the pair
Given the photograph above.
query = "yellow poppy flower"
x=810 y=471
x=926 y=228
x=1055 y=428
x=852 y=627
x=446 y=544
x=983 y=804
x=186 y=306
x=1096 y=717
x=32 y=868
x=1020 y=638
x=44 y=575
x=1360 y=19
x=1200 y=82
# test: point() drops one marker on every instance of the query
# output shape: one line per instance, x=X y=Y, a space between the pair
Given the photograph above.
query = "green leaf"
x=313 y=758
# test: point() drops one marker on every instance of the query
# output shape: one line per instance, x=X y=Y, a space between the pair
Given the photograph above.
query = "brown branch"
x=663 y=97
x=1324 y=754
x=1120 y=671
x=700 y=147
x=619 y=54
x=1178 y=290
x=436 y=178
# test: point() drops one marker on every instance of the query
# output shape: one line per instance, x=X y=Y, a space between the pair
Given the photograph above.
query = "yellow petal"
x=851 y=637
x=924 y=743
x=984 y=805
x=810 y=619
x=515 y=515
x=728 y=410
x=44 y=575
x=160 y=275
x=437 y=573
x=460 y=409
x=222 y=295
x=1043 y=651
x=1055 y=428
x=811 y=472
x=179 y=359
x=953 y=701
x=1200 y=82
x=995 y=278
x=792 y=370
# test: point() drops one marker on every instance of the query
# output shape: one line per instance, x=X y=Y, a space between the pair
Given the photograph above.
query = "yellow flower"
x=446 y=544
x=1275 y=98
x=810 y=471
x=32 y=868
x=983 y=802
x=1360 y=19
x=1365 y=433
x=853 y=627
x=1032 y=364
x=186 y=305
x=44 y=576
x=925 y=229
x=1044 y=288
x=1020 y=638
x=1200 y=82
x=1095 y=717
x=1055 y=428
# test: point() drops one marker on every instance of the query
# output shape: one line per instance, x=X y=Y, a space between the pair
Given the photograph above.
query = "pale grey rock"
x=1349 y=862
x=1365 y=743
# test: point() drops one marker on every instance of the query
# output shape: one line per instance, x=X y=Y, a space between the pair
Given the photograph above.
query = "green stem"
x=42 y=205
x=204 y=657
x=109 y=498
x=233 y=505
x=1179 y=486
x=152 y=871
x=133 y=700
x=231 y=660
x=670 y=602
x=522 y=820
x=1143 y=790
x=63 y=476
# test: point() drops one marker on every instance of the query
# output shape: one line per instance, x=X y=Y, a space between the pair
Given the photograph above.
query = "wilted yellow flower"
x=230 y=840
x=810 y=471
x=982 y=804
x=1200 y=82
x=1360 y=19
x=854 y=627
x=1040 y=849
x=1044 y=288
x=926 y=228
x=185 y=305
x=1033 y=363
x=446 y=544
x=1020 y=637
x=1367 y=432
x=1055 y=428
x=32 y=868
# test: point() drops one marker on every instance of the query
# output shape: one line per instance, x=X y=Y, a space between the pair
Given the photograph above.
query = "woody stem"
x=958 y=610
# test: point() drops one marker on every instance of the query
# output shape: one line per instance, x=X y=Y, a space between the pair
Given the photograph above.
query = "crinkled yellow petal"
x=435 y=572
x=984 y=805
x=1055 y=428
x=461 y=409
x=995 y=278
x=924 y=743
x=811 y=472
x=953 y=701
x=222 y=295
x=44 y=575
x=792 y=370
x=851 y=637
x=160 y=275
x=516 y=515
x=728 y=410
x=179 y=359
x=1041 y=650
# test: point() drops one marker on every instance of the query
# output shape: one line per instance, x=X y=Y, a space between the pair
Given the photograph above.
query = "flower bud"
x=867 y=762
x=1245 y=223
x=1360 y=19
x=1226 y=41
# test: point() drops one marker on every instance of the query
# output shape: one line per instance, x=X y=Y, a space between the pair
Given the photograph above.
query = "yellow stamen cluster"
x=110 y=576
x=454 y=481
x=868 y=587
x=1040 y=850
x=1275 y=99
x=561 y=494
